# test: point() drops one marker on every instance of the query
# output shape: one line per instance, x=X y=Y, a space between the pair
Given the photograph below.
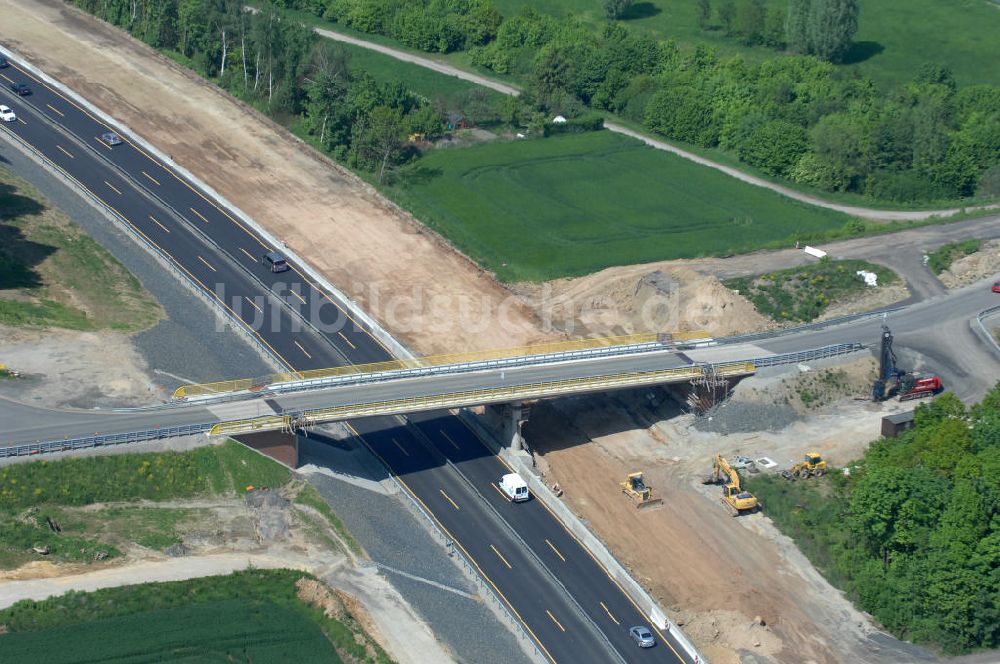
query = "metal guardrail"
x=452 y=363
x=770 y=334
x=809 y=355
x=40 y=447
x=986 y=313
x=470 y=566
x=151 y=247
x=101 y=440
x=293 y=419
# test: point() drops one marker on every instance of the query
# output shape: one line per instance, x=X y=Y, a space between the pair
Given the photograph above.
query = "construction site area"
x=653 y=472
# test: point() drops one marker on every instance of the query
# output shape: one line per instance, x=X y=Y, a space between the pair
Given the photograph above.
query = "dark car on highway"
x=21 y=89
x=3 y=62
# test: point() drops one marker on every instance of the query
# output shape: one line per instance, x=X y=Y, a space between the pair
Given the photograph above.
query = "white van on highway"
x=515 y=488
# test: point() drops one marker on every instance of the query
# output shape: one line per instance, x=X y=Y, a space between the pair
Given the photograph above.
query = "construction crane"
x=736 y=500
x=635 y=488
x=893 y=381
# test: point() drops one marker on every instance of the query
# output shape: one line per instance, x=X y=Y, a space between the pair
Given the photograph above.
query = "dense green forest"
x=797 y=117
x=913 y=532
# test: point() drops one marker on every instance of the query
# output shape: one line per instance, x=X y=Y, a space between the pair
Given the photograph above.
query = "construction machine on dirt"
x=813 y=466
x=736 y=500
x=893 y=381
x=635 y=488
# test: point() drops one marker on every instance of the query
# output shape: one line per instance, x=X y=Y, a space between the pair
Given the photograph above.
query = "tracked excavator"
x=734 y=498
x=893 y=381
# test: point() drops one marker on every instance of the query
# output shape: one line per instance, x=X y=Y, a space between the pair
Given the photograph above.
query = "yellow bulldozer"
x=734 y=498
x=635 y=488
x=814 y=465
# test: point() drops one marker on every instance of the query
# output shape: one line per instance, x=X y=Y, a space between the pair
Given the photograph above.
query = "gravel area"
x=746 y=416
x=187 y=345
x=395 y=537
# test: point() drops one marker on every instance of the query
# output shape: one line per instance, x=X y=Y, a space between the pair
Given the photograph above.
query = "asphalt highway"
x=567 y=602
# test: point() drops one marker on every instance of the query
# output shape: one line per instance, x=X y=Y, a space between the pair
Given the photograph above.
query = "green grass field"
x=54 y=275
x=230 y=630
x=570 y=205
x=250 y=616
x=423 y=81
x=894 y=36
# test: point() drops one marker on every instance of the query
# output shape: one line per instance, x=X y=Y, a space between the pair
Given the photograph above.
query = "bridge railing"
x=472 y=398
x=455 y=363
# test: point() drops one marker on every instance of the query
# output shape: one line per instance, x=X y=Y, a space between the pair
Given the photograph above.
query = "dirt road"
x=853 y=210
x=406 y=636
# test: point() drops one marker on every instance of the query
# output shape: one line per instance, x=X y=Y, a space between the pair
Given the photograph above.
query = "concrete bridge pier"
x=509 y=418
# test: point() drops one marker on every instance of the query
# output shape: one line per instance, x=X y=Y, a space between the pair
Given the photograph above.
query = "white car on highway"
x=6 y=114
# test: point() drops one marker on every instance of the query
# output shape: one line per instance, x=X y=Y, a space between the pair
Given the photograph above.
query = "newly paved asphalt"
x=562 y=596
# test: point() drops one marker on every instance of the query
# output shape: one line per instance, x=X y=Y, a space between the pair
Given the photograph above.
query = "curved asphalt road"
x=567 y=602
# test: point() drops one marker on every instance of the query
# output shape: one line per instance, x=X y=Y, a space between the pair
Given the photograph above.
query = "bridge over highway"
x=347 y=393
x=569 y=606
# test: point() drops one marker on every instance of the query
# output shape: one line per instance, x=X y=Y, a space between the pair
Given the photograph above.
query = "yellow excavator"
x=814 y=465
x=736 y=500
x=635 y=488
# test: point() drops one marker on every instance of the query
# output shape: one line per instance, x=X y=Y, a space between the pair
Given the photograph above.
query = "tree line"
x=794 y=116
x=284 y=69
x=913 y=532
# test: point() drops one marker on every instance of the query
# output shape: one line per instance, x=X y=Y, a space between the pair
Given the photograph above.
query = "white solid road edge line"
x=397 y=348
x=584 y=535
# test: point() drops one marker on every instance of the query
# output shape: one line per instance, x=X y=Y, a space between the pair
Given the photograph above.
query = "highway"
x=563 y=598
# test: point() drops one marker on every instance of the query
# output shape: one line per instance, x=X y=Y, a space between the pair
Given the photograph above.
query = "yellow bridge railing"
x=474 y=398
x=250 y=384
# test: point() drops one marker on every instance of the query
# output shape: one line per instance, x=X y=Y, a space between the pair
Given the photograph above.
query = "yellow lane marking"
x=22 y=122
x=448 y=498
x=102 y=143
x=157 y=222
x=217 y=207
x=465 y=551
x=56 y=110
x=347 y=341
x=500 y=556
x=401 y=448
x=200 y=215
x=448 y=438
x=249 y=255
x=113 y=188
x=585 y=549
x=65 y=152
x=154 y=180
x=255 y=305
x=9 y=80
x=304 y=351
x=207 y=264
x=493 y=484
x=558 y=624
x=301 y=299
x=608 y=611
x=168 y=254
x=555 y=550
